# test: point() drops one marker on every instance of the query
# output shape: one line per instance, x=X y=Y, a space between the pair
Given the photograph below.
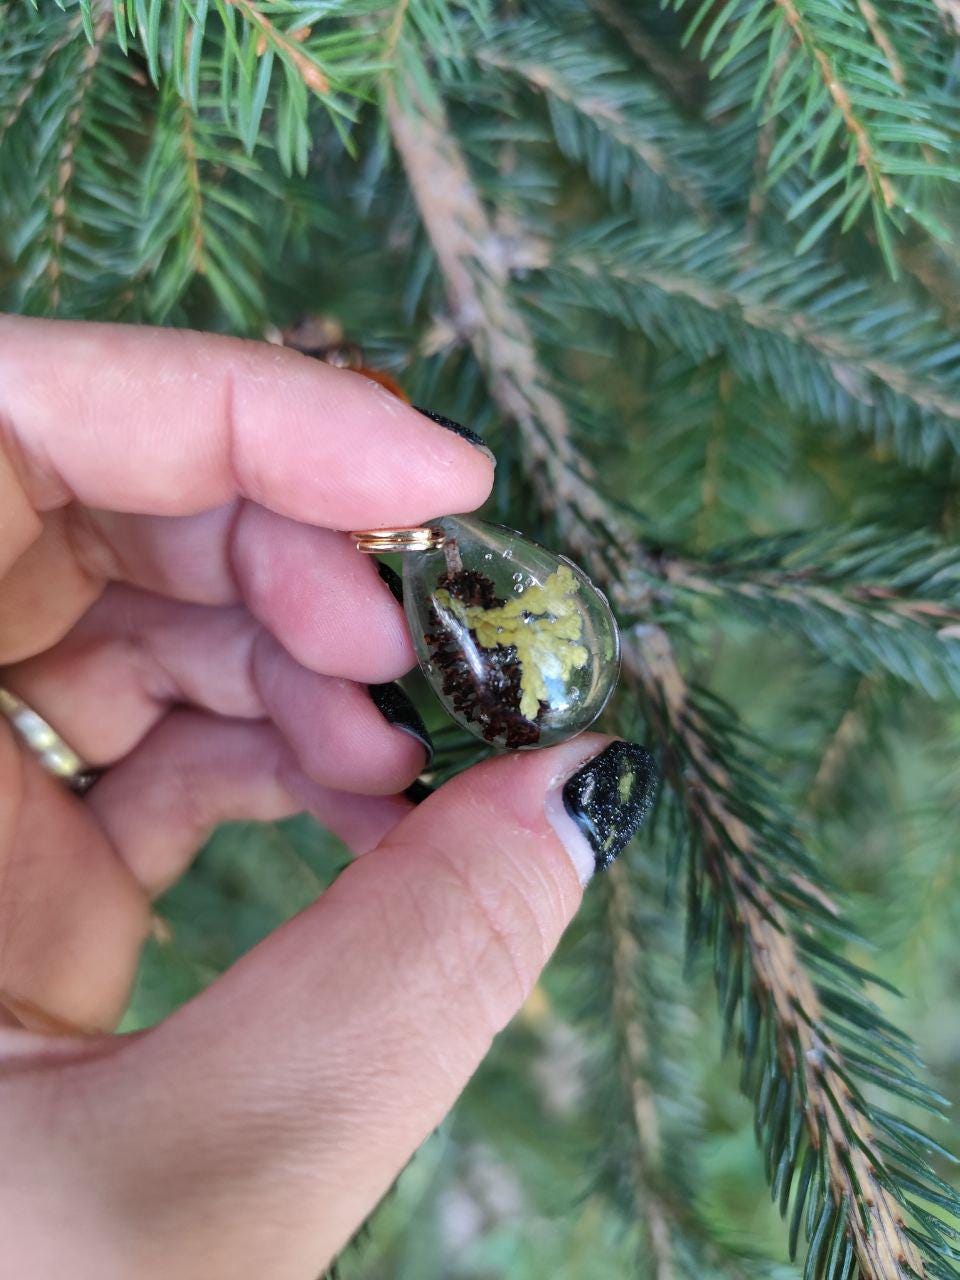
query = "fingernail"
x=397 y=709
x=464 y=432
x=601 y=807
x=392 y=579
x=418 y=791
x=31 y=1017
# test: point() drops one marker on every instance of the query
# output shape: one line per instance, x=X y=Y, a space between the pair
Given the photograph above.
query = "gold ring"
x=382 y=541
x=52 y=752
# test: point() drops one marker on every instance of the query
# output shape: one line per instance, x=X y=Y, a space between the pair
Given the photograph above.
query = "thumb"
x=300 y=1083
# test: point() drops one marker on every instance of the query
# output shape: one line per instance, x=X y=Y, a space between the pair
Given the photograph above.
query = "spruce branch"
x=287 y=46
x=800 y=1036
x=847 y=735
x=475 y=271
x=197 y=213
x=863 y=597
x=21 y=89
x=602 y=117
x=766 y=137
x=66 y=166
x=65 y=160
x=743 y=897
x=274 y=59
x=712 y=451
x=882 y=40
x=641 y=1008
x=675 y=76
x=864 y=147
x=833 y=75
x=824 y=341
x=197 y=239
x=395 y=29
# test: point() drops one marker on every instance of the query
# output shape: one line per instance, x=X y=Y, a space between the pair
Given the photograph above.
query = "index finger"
x=167 y=422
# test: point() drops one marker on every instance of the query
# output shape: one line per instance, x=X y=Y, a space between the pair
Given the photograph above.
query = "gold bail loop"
x=383 y=541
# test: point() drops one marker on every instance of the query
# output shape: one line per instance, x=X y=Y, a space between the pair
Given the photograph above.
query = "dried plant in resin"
x=518 y=644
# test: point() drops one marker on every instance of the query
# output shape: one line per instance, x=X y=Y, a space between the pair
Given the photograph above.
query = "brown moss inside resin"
x=496 y=657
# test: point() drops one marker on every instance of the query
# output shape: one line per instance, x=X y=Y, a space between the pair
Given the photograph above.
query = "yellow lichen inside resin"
x=544 y=623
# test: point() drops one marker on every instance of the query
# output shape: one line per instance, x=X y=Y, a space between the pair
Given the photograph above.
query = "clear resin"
x=519 y=645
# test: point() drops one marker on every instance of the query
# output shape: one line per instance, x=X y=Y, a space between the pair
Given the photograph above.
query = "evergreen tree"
x=694 y=271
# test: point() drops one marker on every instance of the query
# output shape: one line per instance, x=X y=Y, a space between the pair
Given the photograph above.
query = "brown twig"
x=634 y=1053
x=866 y=156
x=66 y=159
x=287 y=46
x=950 y=11
x=847 y=735
x=883 y=41
x=543 y=77
x=476 y=280
x=36 y=71
x=780 y=982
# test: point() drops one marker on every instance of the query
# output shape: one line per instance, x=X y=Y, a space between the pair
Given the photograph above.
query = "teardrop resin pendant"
x=519 y=645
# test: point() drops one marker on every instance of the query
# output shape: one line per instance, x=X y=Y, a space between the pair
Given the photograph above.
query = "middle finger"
x=135 y=655
x=322 y=598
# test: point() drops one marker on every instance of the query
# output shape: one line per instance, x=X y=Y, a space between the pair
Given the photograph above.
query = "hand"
x=175 y=598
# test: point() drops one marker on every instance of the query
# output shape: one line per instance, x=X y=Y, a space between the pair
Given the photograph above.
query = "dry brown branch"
x=780 y=981
x=475 y=267
x=476 y=279
x=950 y=12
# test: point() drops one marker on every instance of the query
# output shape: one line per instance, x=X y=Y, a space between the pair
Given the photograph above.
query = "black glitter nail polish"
x=418 y=791
x=610 y=796
x=392 y=579
x=464 y=432
x=397 y=709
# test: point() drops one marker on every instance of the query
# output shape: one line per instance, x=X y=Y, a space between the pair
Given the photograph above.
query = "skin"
x=176 y=598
